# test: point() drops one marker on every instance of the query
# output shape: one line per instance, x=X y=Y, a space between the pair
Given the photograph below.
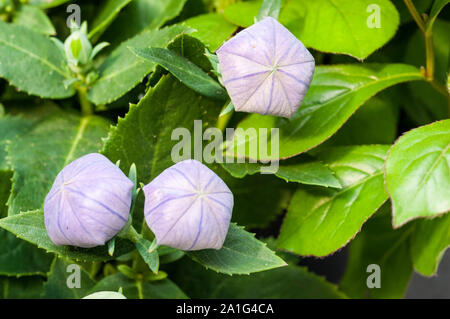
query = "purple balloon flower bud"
x=188 y=207
x=89 y=202
x=266 y=69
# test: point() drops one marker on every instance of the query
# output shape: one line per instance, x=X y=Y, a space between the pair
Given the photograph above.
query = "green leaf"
x=269 y=8
x=37 y=156
x=19 y=258
x=335 y=94
x=45 y=4
x=290 y=282
x=437 y=7
x=61 y=276
x=373 y=123
x=303 y=169
x=161 y=289
x=212 y=29
x=30 y=226
x=142 y=15
x=122 y=70
x=418 y=173
x=187 y=72
x=430 y=240
x=321 y=220
x=242 y=13
x=34 y=18
x=21 y=288
x=108 y=12
x=379 y=244
x=150 y=258
x=241 y=253
x=352 y=31
x=32 y=62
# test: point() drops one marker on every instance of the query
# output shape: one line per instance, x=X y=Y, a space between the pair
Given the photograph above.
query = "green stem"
x=86 y=106
x=415 y=14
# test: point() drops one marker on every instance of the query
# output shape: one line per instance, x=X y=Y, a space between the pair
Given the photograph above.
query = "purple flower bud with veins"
x=188 y=207
x=89 y=202
x=266 y=69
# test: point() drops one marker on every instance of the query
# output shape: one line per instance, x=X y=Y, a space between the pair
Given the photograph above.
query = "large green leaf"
x=122 y=70
x=19 y=258
x=212 y=29
x=32 y=62
x=187 y=72
x=21 y=288
x=34 y=18
x=241 y=254
x=321 y=220
x=282 y=283
x=142 y=15
x=108 y=12
x=418 y=173
x=135 y=289
x=30 y=226
x=56 y=286
x=335 y=94
x=343 y=26
x=37 y=156
x=45 y=4
x=303 y=169
x=430 y=240
x=379 y=244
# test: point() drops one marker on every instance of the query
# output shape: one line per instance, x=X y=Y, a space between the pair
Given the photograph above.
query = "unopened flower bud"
x=89 y=202
x=78 y=48
x=266 y=69
x=188 y=207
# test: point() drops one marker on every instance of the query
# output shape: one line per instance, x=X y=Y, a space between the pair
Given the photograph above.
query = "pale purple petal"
x=266 y=69
x=188 y=207
x=89 y=202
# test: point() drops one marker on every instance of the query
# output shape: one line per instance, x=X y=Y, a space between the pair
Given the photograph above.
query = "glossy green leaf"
x=30 y=226
x=335 y=94
x=62 y=275
x=321 y=220
x=344 y=26
x=122 y=70
x=32 y=62
x=108 y=12
x=303 y=169
x=37 y=156
x=418 y=173
x=34 y=18
x=290 y=282
x=430 y=240
x=187 y=72
x=142 y=15
x=45 y=4
x=241 y=253
x=212 y=29
x=19 y=258
x=132 y=289
x=379 y=244
x=21 y=288
x=375 y=122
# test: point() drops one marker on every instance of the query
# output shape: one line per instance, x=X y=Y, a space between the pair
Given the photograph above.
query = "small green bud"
x=78 y=48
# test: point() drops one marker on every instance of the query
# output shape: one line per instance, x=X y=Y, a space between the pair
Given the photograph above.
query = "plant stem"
x=429 y=50
x=86 y=106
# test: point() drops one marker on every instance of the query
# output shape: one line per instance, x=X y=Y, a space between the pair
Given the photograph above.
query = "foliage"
x=364 y=162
